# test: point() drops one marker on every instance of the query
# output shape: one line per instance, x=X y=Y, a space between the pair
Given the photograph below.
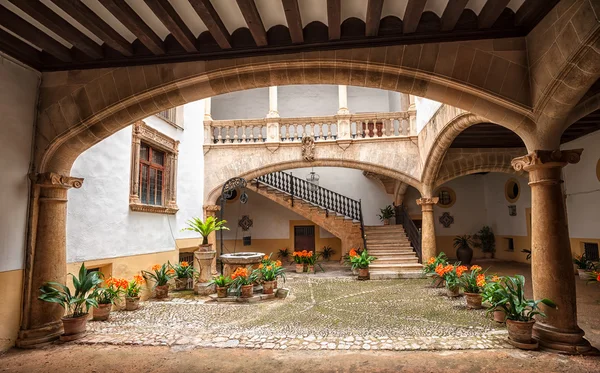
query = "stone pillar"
x=428 y=244
x=343 y=117
x=412 y=116
x=551 y=266
x=273 y=113
x=47 y=258
x=207 y=109
x=273 y=135
x=343 y=100
x=213 y=210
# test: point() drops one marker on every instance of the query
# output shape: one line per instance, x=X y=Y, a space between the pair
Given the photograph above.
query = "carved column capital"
x=546 y=159
x=54 y=180
x=428 y=201
x=211 y=210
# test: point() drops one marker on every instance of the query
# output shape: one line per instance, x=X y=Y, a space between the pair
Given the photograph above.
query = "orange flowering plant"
x=432 y=263
x=302 y=257
x=451 y=274
x=474 y=281
x=183 y=270
x=113 y=287
x=270 y=270
x=161 y=274
x=134 y=286
x=243 y=277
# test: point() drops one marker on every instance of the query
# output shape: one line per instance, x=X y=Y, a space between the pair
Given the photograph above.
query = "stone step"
x=386 y=236
x=385 y=228
x=395 y=267
x=396 y=260
x=386 y=243
x=390 y=275
x=393 y=254
x=389 y=248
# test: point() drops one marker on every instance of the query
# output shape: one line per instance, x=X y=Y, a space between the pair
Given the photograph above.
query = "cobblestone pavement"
x=319 y=314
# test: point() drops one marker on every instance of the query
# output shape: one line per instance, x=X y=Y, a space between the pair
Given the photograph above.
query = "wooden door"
x=304 y=237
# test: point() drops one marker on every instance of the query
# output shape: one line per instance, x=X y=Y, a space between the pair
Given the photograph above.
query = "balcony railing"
x=324 y=128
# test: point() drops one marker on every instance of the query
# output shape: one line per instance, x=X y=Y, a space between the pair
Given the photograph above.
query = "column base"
x=561 y=341
x=39 y=337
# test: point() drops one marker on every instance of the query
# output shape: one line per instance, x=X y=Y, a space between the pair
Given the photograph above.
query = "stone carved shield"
x=308 y=149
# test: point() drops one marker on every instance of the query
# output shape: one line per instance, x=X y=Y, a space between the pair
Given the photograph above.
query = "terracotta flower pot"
x=386 y=222
x=453 y=292
x=101 y=312
x=181 y=284
x=132 y=303
x=162 y=291
x=247 y=291
x=268 y=287
x=299 y=268
x=222 y=291
x=499 y=315
x=438 y=282
x=584 y=274
x=520 y=331
x=473 y=300
x=74 y=326
x=310 y=268
x=363 y=273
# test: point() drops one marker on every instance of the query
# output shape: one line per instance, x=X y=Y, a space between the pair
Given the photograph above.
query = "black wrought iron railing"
x=324 y=198
x=411 y=230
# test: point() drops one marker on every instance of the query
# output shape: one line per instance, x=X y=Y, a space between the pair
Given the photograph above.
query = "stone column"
x=213 y=210
x=47 y=258
x=273 y=113
x=207 y=108
x=343 y=117
x=343 y=100
x=412 y=116
x=551 y=266
x=273 y=135
x=428 y=244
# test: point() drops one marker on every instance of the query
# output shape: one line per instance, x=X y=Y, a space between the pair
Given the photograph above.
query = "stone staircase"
x=394 y=253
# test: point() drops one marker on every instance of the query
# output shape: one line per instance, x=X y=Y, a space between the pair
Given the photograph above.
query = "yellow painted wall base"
x=577 y=244
x=11 y=287
x=444 y=243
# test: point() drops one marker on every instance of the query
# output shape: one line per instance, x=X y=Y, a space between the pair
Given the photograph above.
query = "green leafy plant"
x=327 y=252
x=346 y=257
x=313 y=260
x=386 y=213
x=528 y=252
x=490 y=293
x=205 y=228
x=582 y=262
x=161 y=274
x=474 y=281
x=78 y=303
x=510 y=296
x=451 y=274
x=221 y=281
x=243 y=277
x=183 y=270
x=283 y=253
x=361 y=260
x=485 y=240
x=113 y=288
x=463 y=242
x=432 y=263
x=134 y=286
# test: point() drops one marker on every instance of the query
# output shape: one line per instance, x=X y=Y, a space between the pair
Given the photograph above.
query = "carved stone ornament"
x=539 y=158
x=245 y=222
x=54 y=180
x=428 y=201
x=308 y=149
x=446 y=220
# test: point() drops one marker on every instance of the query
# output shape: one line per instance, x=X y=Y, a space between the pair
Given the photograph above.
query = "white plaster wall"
x=100 y=223
x=307 y=100
x=249 y=104
x=583 y=188
x=367 y=100
x=18 y=99
x=469 y=210
x=496 y=205
x=425 y=110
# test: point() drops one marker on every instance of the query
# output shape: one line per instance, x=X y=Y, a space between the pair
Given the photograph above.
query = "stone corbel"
x=344 y=144
x=54 y=180
x=546 y=159
x=426 y=201
x=211 y=210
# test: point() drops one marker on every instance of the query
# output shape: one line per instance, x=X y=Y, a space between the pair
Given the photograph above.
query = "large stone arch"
x=80 y=108
x=214 y=191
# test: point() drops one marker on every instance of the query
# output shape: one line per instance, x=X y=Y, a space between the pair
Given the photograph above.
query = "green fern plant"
x=205 y=228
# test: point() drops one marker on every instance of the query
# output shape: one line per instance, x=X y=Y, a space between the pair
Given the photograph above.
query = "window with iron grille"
x=591 y=251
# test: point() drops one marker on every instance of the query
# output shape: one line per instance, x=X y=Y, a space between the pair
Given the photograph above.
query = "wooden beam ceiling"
x=490 y=13
x=32 y=34
x=412 y=15
x=60 y=27
x=173 y=22
x=254 y=22
x=96 y=25
x=452 y=13
x=532 y=11
x=213 y=22
x=374 y=8
x=19 y=49
x=334 y=19
x=294 y=21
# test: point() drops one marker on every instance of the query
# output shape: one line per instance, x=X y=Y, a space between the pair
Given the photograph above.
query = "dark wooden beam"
x=334 y=19
x=254 y=22
x=452 y=13
x=533 y=11
x=18 y=49
x=412 y=15
x=96 y=25
x=32 y=34
x=59 y=26
x=294 y=21
x=173 y=22
x=490 y=13
x=213 y=22
x=374 y=9
x=130 y=19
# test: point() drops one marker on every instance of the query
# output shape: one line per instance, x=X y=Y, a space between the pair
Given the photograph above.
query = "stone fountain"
x=233 y=260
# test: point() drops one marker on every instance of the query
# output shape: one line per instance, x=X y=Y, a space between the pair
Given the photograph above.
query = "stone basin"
x=233 y=260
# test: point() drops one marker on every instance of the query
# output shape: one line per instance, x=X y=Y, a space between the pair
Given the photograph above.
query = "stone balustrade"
x=321 y=128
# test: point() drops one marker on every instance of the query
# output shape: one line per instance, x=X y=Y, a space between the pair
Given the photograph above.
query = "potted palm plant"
x=205 y=228
x=464 y=252
x=161 y=274
x=183 y=272
x=327 y=252
x=520 y=312
x=472 y=285
x=584 y=266
x=132 y=293
x=76 y=303
x=222 y=284
x=485 y=240
x=107 y=296
x=361 y=262
x=386 y=214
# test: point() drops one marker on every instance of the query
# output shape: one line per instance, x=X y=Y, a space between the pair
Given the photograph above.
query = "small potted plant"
x=361 y=262
x=106 y=297
x=472 y=285
x=386 y=214
x=222 y=284
x=132 y=293
x=76 y=303
x=311 y=261
x=205 y=228
x=431 y=265
x=451 y=275
x=183 y=272
x=300 y=257
x=519 y=311
x=485 y=240
x=327 y=252
x=283 y=253
x=161 y=274
x=584 y=266
x=463 y=245
x=242 y=281
x=492 y=297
